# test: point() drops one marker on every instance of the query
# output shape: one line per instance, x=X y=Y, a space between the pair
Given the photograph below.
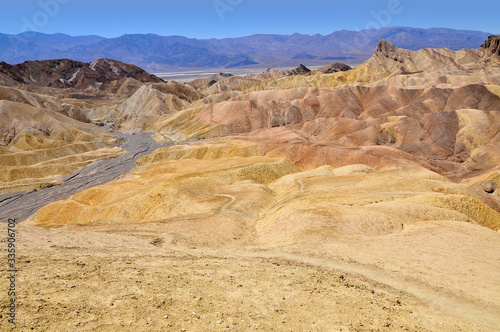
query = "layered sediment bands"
x=143 y=108
x=222 y=82
x=174 y=191
x=40 y=192
x=223 y=148
x=182 y=91
x=42 y=144
x=243 y=113
x=227 y=84
x=186 y=186
x=443 y=129
x=42 y=101
x=389 y=171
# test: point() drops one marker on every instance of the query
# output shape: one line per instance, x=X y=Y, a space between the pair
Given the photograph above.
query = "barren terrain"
x=130 y=278
x=291 y=200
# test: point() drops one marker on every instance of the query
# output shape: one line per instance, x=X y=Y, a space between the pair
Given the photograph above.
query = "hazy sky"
x=233 y=18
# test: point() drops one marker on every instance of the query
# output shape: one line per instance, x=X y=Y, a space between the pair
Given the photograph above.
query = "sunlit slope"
x=443 y=129
x=39 y=144
x=269 y=199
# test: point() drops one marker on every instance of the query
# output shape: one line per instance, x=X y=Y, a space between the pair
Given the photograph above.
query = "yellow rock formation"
x=189 y=183
x=42 y=144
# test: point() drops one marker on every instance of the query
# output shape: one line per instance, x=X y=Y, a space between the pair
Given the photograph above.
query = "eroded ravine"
x=20 y=205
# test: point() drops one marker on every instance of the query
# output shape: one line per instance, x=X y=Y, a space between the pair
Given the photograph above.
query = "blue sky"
x=233 y=18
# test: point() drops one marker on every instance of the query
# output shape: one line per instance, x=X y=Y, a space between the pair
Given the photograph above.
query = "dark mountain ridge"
x=65 y=73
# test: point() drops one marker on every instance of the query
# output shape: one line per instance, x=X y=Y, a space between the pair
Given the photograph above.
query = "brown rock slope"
x=492 y=44
x=64 y=73
x=334 y=67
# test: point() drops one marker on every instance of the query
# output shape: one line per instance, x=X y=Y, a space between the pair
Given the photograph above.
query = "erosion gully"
x=21 y=205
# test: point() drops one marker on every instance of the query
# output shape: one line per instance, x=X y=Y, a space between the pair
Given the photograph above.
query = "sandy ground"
x=434 y=276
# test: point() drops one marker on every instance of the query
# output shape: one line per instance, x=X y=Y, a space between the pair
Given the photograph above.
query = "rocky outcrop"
x=204 y=83
x=300 y=70
x=334 y=67
x=65 y=73
x=277 y=73
x=388 y=50
x=220 y=76
x=492 y=44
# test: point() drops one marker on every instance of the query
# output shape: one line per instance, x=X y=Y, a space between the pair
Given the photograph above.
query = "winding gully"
x=21 y=205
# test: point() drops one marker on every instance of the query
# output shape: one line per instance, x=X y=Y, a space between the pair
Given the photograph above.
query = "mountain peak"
x=385 y=47
x=388 y=50
x=492 y=44
x=302 y=69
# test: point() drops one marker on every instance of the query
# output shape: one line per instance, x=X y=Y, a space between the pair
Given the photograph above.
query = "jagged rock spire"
x=492 y=44
x=388 y=50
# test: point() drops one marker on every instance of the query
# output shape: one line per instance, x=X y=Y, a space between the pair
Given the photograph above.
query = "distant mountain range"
x=160 y=53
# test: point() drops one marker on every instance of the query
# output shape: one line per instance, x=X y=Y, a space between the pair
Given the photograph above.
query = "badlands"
x=339 y=199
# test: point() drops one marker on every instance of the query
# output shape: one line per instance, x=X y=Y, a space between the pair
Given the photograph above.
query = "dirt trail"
x=21 y=205
x=452 y=304
x=139 y=282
